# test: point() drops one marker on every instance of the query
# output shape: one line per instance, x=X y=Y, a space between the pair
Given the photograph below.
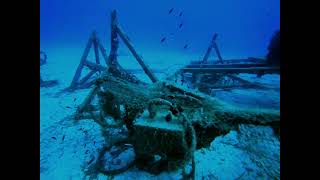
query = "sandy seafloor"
x=253 y=152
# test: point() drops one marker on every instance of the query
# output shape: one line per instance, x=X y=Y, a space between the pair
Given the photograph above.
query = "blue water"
x=244 y=26
x=244 y=29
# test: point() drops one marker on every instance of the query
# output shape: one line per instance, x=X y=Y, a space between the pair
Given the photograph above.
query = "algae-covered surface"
x=235 y=130
x=68 y=148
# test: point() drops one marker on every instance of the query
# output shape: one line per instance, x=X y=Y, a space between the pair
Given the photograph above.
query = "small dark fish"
x=91 y=160
x=54 y=138
x=87 y=151
x=163 y=39
x=68 y=107
x=94 y=142
x=74 y=99
x=180 y=14
x=180 y=26
x=168 y=117
x=85 y=131
x=185 y=46
x=63 y=137
x=85 y=145
x=170 y=11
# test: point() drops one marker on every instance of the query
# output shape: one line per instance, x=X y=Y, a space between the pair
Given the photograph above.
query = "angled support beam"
x=82 y=62
x=103 y=52
x=96 y=47
x=214 y=45
x=87 y=77
x=87 y=100
x=211 y=45
x=218 y=52
x=145 y=68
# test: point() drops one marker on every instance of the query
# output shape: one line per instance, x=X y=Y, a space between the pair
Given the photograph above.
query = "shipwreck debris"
x=43 y=61
x=166 y=122
x=207 y=75
x=111 y=62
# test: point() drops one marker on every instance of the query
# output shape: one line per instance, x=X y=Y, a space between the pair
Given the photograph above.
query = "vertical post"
x=211 y=45
x=95 y=46
x=82 y=62
x=112 y=60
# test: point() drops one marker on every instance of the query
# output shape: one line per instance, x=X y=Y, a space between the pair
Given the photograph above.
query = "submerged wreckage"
x=162 y=119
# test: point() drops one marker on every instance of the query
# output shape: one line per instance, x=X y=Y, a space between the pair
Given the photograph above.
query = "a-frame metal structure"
x=113 y=67
x=111 y=62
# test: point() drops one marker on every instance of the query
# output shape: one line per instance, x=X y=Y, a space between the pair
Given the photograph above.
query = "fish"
x=74 y=99
x=180 y=26
x=54 y=138
x=91 y=160
x=63 y=137
x=180 y=14
x=68 y=107
x=163 y=39
x=87 y=151
x=185 y=46
x=170 y=11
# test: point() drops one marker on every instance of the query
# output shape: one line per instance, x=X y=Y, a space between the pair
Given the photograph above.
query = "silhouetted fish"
x=54 y=138
x=74 y=99
x=68 y=107
x=180 y=26
x=91 y=160
x=180 y=14
x=163 y=39
x=185 y=46
x=170 y=11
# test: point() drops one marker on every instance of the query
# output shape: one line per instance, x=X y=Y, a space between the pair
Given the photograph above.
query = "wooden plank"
x=233 y=70
x=81 y=64
x=135 y=54
x=232 y=61
x=226 y=65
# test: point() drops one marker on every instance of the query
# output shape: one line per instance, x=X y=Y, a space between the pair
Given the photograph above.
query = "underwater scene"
x=168 y=89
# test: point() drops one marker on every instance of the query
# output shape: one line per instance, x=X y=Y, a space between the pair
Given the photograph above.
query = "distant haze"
x=244 y=26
